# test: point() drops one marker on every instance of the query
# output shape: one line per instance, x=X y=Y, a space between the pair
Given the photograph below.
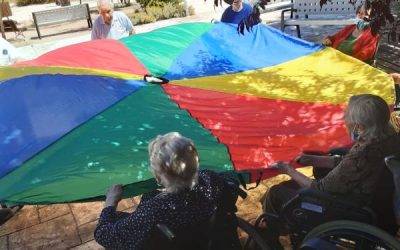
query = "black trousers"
x=278 y=195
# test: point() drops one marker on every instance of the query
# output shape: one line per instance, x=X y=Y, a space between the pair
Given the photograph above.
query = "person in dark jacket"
x=190 y=196
x=358 y=174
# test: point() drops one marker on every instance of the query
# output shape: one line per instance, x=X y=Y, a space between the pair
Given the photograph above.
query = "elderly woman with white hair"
x=190 y=196
x=358 y=174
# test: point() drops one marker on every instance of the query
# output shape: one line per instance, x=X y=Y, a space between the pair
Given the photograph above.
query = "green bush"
x=142 y=18
x=154 y=13
x=157 y=12
x=170 y=11
x=28 y=2
x=159 y=3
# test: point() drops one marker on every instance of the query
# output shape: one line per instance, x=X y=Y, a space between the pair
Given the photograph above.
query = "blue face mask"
x=361 y=23
x=354 y=136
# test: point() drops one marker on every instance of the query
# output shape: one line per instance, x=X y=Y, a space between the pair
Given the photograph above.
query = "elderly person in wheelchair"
x=357 y=177
x=189 y=197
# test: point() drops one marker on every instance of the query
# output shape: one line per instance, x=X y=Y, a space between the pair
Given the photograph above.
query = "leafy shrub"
x=157 y=12
x=160 y=3
x=169 y=11
x=28 y=2
x=181 y=10
x=154 y=13
x=142 y=18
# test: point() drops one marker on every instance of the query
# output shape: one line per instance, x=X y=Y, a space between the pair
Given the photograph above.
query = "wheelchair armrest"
x=164 y=229
x=327 y=207
x=393 y=163
x=324 y=196
x=235 y=188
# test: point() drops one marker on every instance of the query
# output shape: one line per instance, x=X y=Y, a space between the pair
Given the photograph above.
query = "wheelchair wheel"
x=249 y=237
x=349 y=235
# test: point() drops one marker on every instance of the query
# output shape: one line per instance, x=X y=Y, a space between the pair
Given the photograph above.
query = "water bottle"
x=5 y=58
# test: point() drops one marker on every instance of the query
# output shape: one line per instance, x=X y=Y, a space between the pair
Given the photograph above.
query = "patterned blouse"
x=117 y=230
x=358 y=173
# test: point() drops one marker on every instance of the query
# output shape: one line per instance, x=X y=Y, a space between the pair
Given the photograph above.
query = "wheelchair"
x=220 y=232
x=317 y=220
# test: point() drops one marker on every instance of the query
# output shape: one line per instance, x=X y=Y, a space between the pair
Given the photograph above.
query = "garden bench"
x=9 y=24
x=61 y=15
x=309 y=12
x=387 y=57
x=388 y=54
x=274 y=5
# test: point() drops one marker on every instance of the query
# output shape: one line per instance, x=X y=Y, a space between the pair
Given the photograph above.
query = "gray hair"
x=360 y=8
x=372 y=114
x=105 y=2
x=174 y=159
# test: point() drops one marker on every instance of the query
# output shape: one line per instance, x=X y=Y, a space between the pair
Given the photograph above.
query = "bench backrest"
x=252 y=2
x=62 y=14
x=335 y=7
x=273 y=5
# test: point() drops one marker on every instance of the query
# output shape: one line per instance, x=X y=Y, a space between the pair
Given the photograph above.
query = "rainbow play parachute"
x=78 y=119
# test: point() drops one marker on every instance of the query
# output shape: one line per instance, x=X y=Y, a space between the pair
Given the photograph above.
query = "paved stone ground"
x=74 y=32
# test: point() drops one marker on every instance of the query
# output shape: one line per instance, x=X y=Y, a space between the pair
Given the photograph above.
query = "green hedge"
x=28 y=2
x=153 y=13
x=159 y=3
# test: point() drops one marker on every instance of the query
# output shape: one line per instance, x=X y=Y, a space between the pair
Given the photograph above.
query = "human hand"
x=327 y=42
x=283 y=167
x=113 y=196
x=305 y=160
x=396 y=78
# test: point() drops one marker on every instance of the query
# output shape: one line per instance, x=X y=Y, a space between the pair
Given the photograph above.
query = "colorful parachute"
x=78 y=119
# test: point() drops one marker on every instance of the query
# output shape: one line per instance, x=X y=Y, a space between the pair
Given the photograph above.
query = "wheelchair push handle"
x=235 y=188
x=166 y=231
x=393 y=163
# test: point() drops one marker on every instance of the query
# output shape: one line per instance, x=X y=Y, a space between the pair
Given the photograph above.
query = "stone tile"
x=91 y=245
x=26 y=217
x=90 y=211
x=126 y=204
x=59 y=233
x=50 y=212
x=86 y=231
x=3 y=242
x=86 y=212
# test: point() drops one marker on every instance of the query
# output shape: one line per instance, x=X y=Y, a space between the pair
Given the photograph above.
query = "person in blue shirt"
x=236 y=12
